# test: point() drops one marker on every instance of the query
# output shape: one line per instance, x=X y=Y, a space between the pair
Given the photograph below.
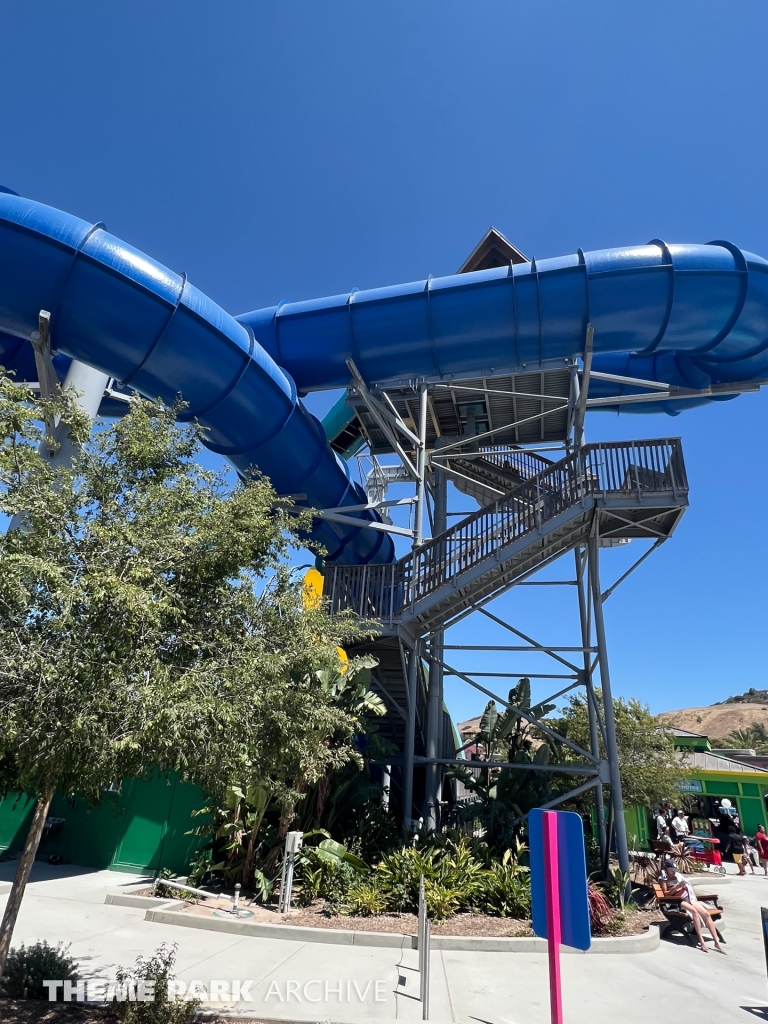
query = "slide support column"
x=410 y=737
x=617 y=802
x=435 y=709
x=586 y=642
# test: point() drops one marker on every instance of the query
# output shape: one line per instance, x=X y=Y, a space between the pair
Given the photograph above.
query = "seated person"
x=666 y=839
x=676 y=885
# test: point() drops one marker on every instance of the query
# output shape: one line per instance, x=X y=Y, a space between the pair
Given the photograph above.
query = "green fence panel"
x=139 y=828
x=752 y=814
x=15 y=818
x=179 y=848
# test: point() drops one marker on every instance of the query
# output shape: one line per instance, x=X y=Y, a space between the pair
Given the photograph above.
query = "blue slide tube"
x=692 y=315
x=114 y=308
x=688 y=315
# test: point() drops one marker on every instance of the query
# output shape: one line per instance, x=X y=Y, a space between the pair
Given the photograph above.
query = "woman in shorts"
x=675 y=884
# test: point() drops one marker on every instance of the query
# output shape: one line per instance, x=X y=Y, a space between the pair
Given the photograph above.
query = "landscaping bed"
x=633 y=920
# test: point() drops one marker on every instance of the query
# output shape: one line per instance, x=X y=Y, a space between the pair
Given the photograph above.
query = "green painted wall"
x=744 y=789
x=141 y=828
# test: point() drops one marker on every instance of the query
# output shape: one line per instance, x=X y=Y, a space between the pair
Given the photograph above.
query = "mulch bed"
x=634 y=921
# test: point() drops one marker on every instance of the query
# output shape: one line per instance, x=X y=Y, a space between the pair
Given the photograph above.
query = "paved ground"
x=313 y=982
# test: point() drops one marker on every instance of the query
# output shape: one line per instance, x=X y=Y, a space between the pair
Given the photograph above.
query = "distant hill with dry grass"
x=718 y=720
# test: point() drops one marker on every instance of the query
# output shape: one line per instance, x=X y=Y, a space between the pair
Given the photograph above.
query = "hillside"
x=718 y=720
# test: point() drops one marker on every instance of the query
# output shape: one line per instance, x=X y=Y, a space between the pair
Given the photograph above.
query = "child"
x=750 y=856
x=761 y=842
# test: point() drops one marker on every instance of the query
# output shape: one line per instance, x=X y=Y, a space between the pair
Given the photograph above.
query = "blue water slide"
x=687 y=315
x=114 y=308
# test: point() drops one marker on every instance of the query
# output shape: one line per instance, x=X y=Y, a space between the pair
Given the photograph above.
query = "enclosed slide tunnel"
x=686 y=315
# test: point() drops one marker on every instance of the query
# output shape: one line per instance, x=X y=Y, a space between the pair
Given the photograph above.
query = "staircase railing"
x=517 y=460
x=640 y=468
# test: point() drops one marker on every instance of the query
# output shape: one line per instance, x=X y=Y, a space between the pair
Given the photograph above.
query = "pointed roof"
x=493 y=250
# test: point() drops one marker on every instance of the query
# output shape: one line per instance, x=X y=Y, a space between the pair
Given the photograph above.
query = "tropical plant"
x=327 y=869
x=366 y=898
x=505 y=734
x=616 y=885
x=506 y=890
x=754 y=736
x=459 y=875
x=29 y=966
x=602 y=917
x=503 y=796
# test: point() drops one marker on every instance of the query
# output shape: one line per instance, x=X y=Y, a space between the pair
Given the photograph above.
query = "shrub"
x=321 y=877
x=615 y=886
x=159 y=969
x=29 y=966
x=458 y=875
x=453 y=865
x=507 y=891
x=170 y=893
x=601 y=917
x=444 y=900
x=366 y=899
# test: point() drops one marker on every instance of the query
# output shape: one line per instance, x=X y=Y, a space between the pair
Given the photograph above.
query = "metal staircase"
x=633 y=489
x=389 y=682
x=490 y=473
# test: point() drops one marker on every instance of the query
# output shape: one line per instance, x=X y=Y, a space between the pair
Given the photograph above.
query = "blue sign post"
x=558 y=890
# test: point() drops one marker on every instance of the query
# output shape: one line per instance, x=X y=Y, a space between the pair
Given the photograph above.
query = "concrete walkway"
x=315 y=982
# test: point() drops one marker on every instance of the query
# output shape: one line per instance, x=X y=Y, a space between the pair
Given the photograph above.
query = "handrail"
x=505 y=460
x=637 y=467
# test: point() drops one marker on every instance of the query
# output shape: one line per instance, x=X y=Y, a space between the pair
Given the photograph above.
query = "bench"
x=678 y=919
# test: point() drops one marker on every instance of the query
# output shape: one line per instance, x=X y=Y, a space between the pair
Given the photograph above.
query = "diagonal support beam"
x=536 y=646
x=607 y=593
x=523 y=714
x=382 y=416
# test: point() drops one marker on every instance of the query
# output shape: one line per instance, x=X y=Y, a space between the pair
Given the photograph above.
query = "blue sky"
x=291 y=150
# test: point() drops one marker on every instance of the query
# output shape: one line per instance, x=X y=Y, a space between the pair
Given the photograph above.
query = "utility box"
x=294 y=842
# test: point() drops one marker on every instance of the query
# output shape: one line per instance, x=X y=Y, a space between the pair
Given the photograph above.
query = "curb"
x=126 y=899
x=164 y=914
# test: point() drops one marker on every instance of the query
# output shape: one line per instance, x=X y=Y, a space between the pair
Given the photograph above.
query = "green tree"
x=650 y=770
x=136 y=629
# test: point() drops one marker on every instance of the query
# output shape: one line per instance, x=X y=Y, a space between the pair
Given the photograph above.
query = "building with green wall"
x=142 y=827
x=710 y=776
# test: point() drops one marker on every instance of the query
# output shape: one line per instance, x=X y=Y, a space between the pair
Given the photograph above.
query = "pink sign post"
x=554 y=926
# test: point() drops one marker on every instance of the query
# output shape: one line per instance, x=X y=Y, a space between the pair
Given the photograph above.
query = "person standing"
x=661 y=824
x=680 y=826
x=761 y=845
x=737 y=843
